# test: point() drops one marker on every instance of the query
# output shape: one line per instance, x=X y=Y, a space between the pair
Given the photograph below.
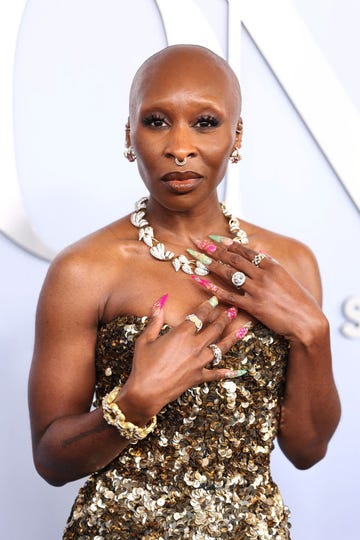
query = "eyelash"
x=210 y=120
x=152 y=118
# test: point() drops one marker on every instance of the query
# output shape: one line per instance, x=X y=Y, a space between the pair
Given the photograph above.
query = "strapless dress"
x=204 y=472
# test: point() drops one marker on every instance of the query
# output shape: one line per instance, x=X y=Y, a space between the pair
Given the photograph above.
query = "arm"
x=311 y=408
x=286 y=297
x=69 y=441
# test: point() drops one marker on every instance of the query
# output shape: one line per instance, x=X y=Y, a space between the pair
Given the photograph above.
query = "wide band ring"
x=217 y=354
x=258 y=258
x=238 y=279
x=194 y=319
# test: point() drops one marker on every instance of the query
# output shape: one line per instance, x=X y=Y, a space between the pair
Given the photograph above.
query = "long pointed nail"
x=205 y=246
x=221 y=239
x=205 y=283
x=235 y=373
x=200 y=256
x=159 y=304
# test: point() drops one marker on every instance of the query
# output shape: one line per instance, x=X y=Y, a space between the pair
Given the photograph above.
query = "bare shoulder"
x=295 y=256
x=84 y=271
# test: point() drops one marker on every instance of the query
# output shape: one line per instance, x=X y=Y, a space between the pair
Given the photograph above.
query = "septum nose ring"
x=180 y=163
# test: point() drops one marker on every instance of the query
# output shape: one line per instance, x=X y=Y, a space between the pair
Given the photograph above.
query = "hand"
x=269 y=293
x=167 y=365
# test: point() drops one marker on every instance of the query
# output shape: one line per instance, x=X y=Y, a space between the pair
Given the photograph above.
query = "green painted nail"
x=216 y=237
x=221 y=239
x=237 y=373
x=213 y=301
x=200 y=256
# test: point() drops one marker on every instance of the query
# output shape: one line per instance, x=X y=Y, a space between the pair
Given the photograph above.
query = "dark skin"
x=110 y=273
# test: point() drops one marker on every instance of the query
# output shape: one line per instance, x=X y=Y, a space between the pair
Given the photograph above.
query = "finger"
x=255 y=257
x=224 y=263
x=213 y=356
x=152 y=330
x=232 y=297
x=214 y=330
x=216 y=375
x=201 y=315
x=224 y=245
x=219 y=374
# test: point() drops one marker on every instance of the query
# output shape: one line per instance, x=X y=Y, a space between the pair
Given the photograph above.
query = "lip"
x=181 y=176
x=181 y=182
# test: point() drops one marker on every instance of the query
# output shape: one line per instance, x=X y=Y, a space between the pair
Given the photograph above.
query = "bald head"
x=199 y=64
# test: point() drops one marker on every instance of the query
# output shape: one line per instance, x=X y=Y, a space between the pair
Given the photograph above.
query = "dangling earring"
x=235 y=156
x=129 y=153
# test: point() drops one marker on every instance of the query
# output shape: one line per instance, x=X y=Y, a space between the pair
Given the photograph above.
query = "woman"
x=235 y=351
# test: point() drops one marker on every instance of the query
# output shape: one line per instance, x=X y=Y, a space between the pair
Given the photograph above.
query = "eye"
x=207 y=121
x=154 y=120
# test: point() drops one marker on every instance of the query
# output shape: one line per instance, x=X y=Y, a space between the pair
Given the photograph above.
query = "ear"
x=127 y=134
x=239 y=132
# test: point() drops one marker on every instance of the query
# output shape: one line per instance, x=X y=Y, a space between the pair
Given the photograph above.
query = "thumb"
x=157 y=319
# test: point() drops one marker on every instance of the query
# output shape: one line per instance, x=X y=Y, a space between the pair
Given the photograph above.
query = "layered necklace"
x=158 y=249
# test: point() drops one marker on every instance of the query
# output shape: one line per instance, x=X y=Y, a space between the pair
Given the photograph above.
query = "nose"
x=180 y=144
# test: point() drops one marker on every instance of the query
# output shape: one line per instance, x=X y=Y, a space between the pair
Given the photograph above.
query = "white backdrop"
x=72 y=70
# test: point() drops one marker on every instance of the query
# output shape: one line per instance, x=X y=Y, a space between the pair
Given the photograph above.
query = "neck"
x=181 y=225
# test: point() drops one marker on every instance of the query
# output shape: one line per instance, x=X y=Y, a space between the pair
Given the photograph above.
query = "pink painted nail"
x=205 y=283
x=241 y=332
x=205 y=246
x=231 y=313
x=159 y=304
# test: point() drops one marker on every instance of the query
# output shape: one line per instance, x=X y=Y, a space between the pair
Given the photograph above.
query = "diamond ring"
x=238 y=279
x=217 y=354
x=258 y=258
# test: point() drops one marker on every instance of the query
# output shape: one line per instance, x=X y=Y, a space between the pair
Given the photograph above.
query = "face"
x=184 y=106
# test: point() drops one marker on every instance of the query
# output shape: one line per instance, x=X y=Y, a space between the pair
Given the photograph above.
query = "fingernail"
x=242 y=332
x=200 y=256
x=205 y=245
x=205 y=283
x=159 y=304
x=221 y=239
x=235 y=373
x=231 y=313
x=213 y=301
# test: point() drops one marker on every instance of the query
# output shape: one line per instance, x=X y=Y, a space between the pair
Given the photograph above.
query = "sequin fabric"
x=203 y=474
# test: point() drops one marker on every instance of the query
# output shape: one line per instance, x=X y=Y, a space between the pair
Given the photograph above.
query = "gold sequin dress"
x=203 y=473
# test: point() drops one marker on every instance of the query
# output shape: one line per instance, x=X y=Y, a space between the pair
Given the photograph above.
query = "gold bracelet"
x=115 y=417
